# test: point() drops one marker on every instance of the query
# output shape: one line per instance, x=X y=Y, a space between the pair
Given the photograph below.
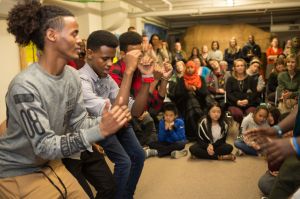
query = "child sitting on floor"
x=144 y=128
x=212 y=133
x=171 y=135
x=252 y=120
x=274 y=116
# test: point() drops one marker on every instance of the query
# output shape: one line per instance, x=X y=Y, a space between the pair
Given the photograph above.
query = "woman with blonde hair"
x=241 y=92
x=232 y=52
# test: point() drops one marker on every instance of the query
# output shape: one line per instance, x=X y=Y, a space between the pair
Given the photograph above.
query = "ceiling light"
x=230 y=2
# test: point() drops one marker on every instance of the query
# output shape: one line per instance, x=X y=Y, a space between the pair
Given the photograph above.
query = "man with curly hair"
x=46 y=118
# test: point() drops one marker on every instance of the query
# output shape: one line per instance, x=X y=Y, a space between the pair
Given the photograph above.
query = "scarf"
x=194 y=79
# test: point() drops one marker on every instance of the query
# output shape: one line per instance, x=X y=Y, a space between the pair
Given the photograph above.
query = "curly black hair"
x=129 y=38
x=101 y=38
x=29 y=22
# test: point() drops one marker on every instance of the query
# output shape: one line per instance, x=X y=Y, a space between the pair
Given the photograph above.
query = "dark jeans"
x=266 y=183
x=200 y=152
x=93 y=168
x=244 y=147
x=288 y=179
x=125 y=151
x=165 y=148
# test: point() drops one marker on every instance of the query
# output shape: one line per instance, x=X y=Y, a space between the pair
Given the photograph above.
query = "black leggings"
x=201 y=152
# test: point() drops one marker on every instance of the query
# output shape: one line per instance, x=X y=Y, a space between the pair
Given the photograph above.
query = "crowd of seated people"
x=193 y=101
x=235 y=84
x=192 y=97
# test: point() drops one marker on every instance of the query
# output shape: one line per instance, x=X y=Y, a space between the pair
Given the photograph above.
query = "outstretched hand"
x=114 y=119
x=260 y=135
x=147 y=49
x=146 y=65
x=164 y=71
x=157 y=72
x=167 y=70
x=122 y=103
x=277 y=150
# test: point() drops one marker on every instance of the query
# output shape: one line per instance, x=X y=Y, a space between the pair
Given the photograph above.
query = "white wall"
x=87 y=23
x=10 y=64
x=115 y=16
x=88 y=15
x=89 y=18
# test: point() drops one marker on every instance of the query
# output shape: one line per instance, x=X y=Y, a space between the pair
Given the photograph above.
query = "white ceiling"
x=159 y=5
x=181 y=14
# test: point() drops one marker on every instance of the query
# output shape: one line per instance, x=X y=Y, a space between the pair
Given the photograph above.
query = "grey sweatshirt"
x=249 y=123
x=41 y=109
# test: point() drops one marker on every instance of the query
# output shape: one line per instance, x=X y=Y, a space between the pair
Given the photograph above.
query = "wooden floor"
x=186 y=178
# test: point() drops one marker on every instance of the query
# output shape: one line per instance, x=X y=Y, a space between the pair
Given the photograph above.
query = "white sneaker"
x=179 y=154
x=150 y=153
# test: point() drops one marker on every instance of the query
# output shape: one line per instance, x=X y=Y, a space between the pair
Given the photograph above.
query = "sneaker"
x=150 y=152
x=179 y=154
x=146 y=147
x=239 y=152
x=230 y=157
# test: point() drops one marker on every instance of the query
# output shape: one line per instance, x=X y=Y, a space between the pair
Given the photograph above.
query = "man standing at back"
x=250 y=50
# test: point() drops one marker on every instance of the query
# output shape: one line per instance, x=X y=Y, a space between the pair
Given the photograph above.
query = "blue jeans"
x=125 y=151
x=244 y=147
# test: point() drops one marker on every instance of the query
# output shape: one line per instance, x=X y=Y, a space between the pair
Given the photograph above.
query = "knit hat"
x=255 y=61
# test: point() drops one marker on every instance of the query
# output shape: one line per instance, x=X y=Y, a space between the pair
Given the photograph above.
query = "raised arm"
x=131 y=60
x=146 y=67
